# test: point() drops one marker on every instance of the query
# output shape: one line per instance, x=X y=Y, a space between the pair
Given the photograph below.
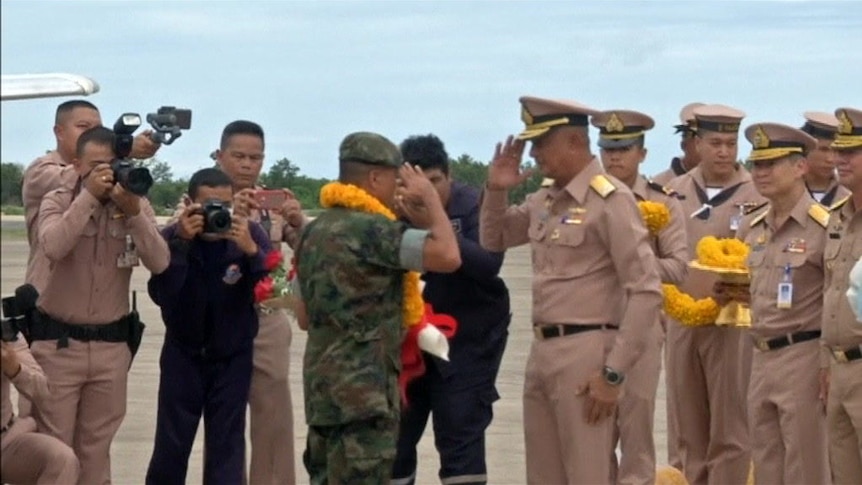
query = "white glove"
x=854 y=293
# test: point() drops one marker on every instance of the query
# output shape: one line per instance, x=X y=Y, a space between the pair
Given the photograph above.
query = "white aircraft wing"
x=26 y=86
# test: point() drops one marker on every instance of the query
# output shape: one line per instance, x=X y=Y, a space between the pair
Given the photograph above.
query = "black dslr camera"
x=17 y=311
x=217 y=217
x=136 y=180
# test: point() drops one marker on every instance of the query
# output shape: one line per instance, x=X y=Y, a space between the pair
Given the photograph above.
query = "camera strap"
x=266 y=220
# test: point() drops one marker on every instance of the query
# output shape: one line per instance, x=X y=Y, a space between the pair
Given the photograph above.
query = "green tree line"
x=167 y=189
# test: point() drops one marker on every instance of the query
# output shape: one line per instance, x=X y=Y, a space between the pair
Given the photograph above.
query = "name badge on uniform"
x=129 y=257
x=785 y=289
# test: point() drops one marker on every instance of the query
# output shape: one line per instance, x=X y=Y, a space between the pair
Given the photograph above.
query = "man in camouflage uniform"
x=351 y=267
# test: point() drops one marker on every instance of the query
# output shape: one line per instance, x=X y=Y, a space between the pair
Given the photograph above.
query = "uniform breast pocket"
x=756 y=259
x=567 y=249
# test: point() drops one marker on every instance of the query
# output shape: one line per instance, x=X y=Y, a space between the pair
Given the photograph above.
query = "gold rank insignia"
x=839 y=204
x=845 y=126
x=819 y=214
x=602 y=185
x=796 y=245
x=615 y=124
x=761 y=140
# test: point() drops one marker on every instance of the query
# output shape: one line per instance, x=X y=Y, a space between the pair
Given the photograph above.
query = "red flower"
x=273 y=259
x=263 y=289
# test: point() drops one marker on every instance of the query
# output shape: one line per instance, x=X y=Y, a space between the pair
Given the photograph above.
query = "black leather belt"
x=785 y=340
x=848 y=355
x=561 y=329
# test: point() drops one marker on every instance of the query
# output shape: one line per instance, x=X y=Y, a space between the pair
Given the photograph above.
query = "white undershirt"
x=713 y=191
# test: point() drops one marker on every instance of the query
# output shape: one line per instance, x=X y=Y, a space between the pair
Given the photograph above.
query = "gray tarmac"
x=133 y=444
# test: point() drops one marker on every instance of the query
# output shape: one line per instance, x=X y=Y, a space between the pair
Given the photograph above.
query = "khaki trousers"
x=786 y=420
x=88 y=400
x=561 y=448
x=707 y=372
x=270 y=404
x=30 y=457
x=844 y=421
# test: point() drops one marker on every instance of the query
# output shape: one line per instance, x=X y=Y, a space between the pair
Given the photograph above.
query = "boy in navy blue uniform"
x=207 y=301
x=458 y=393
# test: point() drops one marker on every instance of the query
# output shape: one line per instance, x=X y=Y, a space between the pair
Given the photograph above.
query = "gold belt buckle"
x=840 y=356
x=762 y=344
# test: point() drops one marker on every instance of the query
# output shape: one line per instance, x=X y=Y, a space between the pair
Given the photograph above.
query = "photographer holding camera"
x=207 y=301
x=84 y=333
x=55 y=170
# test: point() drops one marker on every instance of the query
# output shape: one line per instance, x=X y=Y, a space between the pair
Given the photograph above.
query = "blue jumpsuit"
x=207 y=302
x=459 y=393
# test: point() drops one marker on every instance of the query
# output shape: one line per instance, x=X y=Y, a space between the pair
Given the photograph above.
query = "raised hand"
x=504 y=171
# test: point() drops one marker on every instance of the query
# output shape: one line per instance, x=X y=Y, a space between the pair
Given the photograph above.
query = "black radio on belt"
x=17 y=311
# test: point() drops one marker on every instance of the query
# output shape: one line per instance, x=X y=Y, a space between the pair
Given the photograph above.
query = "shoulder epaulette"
x=602 y=185
x=759 y=217
x=819 y=214
x=839 y=204
x=547 y=182
x=755 y=208
x=661 y=188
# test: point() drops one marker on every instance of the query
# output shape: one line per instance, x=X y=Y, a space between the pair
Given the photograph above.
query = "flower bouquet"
x=277 y=290
x=726 y=258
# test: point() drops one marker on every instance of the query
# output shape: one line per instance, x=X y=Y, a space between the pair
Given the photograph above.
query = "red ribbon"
x=412 y=363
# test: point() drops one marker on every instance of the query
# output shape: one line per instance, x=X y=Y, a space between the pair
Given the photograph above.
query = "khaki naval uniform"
x=786 y=420
x=842 y=341
x=270 y=402
x=45 y=174
x=636 y=414
x=590 y=251
x=83 y=239
x=708 y=367
x=25 y=455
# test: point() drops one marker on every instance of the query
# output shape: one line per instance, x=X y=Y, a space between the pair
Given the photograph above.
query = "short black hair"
x=207 y=177
x=68 y=106
x=240 y=127
x=98 y=135
x=425 y=151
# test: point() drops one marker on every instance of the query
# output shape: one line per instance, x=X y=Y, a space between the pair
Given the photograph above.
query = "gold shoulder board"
x=547 y=182
x=839 y=204
x=602 y=185
x=759 y=217
x=819 y=214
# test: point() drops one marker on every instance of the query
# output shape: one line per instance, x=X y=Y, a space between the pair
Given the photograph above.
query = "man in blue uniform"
x=460 y=392
x=207 y=301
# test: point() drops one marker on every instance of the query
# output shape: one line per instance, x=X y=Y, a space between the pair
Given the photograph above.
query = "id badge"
x=785 y=295
x=734 y=222
x=128 y=259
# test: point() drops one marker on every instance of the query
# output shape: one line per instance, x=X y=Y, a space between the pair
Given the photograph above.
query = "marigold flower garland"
x=688 y=311
x=722 y=253
x=655 y=215
x=337 y=194
x=711 y=252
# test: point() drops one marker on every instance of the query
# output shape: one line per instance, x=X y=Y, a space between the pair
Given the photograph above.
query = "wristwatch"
x=612 y=377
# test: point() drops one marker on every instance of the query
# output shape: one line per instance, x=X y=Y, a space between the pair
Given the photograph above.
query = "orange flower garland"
x=655 y=216
x=688 y=311
x=337 y=194
x=728 y=253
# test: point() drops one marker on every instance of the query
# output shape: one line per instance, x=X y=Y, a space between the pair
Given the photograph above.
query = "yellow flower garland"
x=655 y=215
x=722 y=253
x=688 y=311
x=337 y=194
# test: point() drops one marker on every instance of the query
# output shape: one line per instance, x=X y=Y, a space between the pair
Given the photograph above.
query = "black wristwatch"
x=612 y=377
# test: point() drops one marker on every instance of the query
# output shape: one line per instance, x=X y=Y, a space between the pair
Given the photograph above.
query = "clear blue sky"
x=311 y=72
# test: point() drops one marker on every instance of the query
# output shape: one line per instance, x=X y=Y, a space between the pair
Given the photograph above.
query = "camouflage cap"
x=370 y=148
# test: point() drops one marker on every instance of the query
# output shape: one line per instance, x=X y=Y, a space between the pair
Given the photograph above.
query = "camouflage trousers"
x=361 y=452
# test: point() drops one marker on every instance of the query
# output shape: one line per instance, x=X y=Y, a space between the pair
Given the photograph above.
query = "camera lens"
x=219 y=220
x=138 y=181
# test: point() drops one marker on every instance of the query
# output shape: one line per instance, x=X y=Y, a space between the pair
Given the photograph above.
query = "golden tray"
x=735 y=313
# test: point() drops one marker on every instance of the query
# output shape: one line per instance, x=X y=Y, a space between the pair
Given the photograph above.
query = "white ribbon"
x=432 y=340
